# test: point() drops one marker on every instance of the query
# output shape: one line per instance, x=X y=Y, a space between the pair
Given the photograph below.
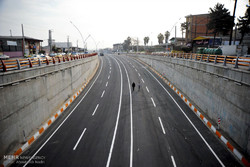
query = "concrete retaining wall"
x=217 y=90
x=29 y=97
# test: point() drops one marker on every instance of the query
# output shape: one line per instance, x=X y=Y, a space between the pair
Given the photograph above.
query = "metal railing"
x=18 y=64
x=236 y=61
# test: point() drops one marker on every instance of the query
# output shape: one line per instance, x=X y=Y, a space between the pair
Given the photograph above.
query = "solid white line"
x=147 y=89
x=95 y=109
x=162 y=126
x=102 y=93
x=142 y=80
x=172 y=157
x=64 y=119
x=131 y=118
x=107 y=83
x=153 y=101
x=186 y=117
x=117 y=119
x=79 y=139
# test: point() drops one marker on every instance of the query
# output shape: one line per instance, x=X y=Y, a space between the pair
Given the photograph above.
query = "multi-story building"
x=117 y=47
x=197 y=26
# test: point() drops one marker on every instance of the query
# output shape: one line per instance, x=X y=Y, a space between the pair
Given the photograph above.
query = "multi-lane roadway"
x=111 y=125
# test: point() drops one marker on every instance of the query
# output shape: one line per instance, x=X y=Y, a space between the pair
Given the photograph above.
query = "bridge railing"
x=236 y=61
x=17 y=64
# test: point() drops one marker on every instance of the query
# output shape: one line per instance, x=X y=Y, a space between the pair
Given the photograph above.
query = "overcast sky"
x=107 y=21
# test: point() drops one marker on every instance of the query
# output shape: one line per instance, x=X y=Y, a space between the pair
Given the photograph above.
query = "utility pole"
x=77 y=45
x=175 y=35
x=137 y=45
x=23 y=41
x=231 y=32
x=68 y=43
x=50 y=41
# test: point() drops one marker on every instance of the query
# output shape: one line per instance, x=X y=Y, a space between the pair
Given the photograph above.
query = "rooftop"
x=20 y=37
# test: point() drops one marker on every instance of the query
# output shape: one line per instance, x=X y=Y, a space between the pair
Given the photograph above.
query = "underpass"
x=111 y=125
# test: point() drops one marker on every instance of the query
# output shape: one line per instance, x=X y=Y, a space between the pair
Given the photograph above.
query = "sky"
x=106 y=21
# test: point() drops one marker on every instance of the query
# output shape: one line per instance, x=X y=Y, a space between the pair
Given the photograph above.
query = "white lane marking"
x=110 y=68
x=64 y=119
x=153 y=102
x=147 y=89
x=136 y=70
x=162 y=127
x=172 y=157
x=102 y=93
x=107 y=83
x=117 y=119
x=131 y=118
x=139 y=74
x=95 y=109
x=79 y=139
x=186 y=117
x=142 y=80
x=110 y=72
x=108 y=76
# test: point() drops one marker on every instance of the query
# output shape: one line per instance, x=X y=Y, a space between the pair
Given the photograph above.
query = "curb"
x=45 y=126
x=205 y=121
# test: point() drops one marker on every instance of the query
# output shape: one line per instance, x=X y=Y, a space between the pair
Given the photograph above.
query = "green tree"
x=184 y=27
x=244 y=24
x=220 y=20
x=146 y=40
x=54 y=48
x=167 y=34
x=126 y=44
x=160 y=38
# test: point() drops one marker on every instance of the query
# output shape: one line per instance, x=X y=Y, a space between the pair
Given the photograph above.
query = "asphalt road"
x=109 y=124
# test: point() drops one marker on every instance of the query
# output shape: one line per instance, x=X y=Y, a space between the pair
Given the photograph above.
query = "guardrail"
x=18 y=64
x=236 y=61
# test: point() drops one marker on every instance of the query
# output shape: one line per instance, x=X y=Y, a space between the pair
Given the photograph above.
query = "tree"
x=146 y=40
x=244 y=24
x=160 y=38
x=167 y=34
x=220 y=20
x=184 y=27
x=126 y=44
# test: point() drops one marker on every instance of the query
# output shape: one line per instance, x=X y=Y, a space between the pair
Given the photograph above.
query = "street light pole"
x=79 y=32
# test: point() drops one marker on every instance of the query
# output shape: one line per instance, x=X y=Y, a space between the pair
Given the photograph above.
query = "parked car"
x=4 y=57
x=52 y=54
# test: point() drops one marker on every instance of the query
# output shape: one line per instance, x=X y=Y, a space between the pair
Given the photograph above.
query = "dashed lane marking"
x=95 y=109
x=79 y=139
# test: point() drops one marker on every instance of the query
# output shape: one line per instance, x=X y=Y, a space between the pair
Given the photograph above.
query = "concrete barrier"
x=30 y=96
x=220 y=92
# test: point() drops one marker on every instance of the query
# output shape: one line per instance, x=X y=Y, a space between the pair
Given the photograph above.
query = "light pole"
x=86 y=40
x=79 y=32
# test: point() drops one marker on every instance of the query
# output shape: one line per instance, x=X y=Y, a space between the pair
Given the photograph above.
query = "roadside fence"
x=18 y=64
x=236 y=61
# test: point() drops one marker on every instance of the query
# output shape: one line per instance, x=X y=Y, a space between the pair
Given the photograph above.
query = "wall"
x=30 y=96
x=217 y=90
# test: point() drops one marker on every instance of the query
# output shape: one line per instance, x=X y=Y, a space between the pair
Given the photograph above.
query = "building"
x=117 y=47
x=13 y=46
x=197 y=26
x=177 y=41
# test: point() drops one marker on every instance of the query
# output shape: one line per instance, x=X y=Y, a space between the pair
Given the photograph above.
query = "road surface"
x=111 y=125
